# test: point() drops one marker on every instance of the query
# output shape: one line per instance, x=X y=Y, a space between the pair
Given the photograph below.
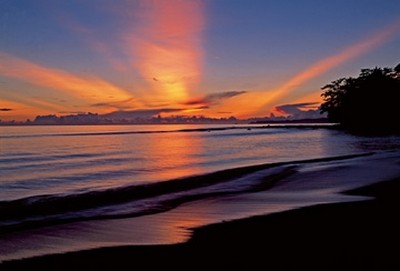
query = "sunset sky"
x=216 y=58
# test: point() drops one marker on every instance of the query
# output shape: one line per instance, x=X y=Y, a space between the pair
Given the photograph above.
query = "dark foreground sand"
x=345 y=236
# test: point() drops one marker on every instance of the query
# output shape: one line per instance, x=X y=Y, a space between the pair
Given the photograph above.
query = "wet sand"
x=342 y=236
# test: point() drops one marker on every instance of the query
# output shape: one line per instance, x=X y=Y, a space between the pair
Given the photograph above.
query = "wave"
x=123 y=132
x=189 y=130
x=38 y=158
x=135 y=200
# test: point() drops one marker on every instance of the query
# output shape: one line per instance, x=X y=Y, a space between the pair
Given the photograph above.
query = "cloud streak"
x=300 y=110
x=214 y=98
x=146 y=113
x=167 y=46
x=88 y=89
x=24 y=108
x=295 y=108
x=103 y=48
x=263 y=101
x=120 y=105
x=331 y=62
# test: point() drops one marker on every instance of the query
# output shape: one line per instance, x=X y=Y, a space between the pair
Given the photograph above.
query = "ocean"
x=68 y=188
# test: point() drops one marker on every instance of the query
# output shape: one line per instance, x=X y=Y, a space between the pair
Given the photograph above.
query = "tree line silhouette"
x=368 y=104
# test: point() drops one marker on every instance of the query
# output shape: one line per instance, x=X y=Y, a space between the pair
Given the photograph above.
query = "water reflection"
x=175 y=155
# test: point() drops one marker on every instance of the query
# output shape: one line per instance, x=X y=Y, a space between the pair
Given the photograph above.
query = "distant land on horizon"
x=144 y=117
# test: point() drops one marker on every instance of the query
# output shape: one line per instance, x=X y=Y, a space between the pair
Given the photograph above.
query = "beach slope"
x=342 y=236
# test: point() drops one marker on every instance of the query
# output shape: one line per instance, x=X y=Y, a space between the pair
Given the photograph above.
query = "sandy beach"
x=353 y=236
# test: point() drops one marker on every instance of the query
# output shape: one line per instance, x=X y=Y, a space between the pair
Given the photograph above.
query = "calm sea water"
x=48 y=167
x=37 y=160
x=71 y=188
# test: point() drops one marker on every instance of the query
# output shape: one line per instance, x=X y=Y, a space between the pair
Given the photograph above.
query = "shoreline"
x=158 y=188
x=359 y=235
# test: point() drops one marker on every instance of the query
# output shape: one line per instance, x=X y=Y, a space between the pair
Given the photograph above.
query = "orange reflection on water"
x=177 y=154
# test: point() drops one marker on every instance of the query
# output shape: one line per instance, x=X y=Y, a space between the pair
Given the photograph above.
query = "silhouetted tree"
x=397 y=68
x=367 y=104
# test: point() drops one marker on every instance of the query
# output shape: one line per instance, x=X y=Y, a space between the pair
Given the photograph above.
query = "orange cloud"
x=242 y=106
x=268 y=100
x=313 y=96
x=88 y=89
x=167 y=47
x=11 y=110
x=260 y=102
